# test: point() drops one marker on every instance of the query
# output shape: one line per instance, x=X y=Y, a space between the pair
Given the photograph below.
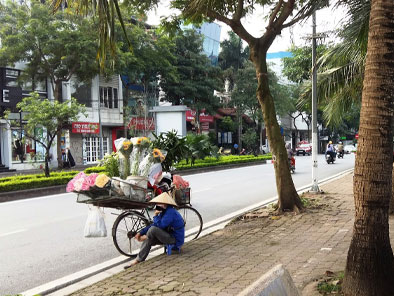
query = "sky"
x=327 y=19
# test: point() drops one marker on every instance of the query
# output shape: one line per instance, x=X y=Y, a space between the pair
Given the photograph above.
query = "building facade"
x=104 y=105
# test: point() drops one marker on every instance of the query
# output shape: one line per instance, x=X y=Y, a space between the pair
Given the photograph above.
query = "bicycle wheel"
x=125 y=228
x=192 y=219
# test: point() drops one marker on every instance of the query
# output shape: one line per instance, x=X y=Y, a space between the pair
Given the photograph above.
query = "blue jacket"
x=171 y=221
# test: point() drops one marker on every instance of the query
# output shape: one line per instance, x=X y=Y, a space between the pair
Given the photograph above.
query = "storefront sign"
x=141 y=124
x=206 y=118
x=85 y=127
x=191 y=116
x=205 y=126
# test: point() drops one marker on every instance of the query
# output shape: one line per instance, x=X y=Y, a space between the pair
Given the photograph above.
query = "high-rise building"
x=211 y=40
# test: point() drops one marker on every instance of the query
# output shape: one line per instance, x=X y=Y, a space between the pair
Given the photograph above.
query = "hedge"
x=95 y=169
x=38 y=176
x=34 y=183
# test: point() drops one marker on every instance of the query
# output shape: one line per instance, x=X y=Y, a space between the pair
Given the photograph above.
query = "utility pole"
x=315 y=186
x=101 y=128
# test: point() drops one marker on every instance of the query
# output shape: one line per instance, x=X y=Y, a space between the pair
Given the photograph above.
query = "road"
x=41 y=239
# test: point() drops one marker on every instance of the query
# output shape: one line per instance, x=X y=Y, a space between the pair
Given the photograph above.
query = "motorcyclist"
x=340 y=149
x=330 y=150
x=290 y=152
x=290 y=157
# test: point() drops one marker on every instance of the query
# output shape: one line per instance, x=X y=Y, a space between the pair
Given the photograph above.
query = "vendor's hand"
x=137 y=236
x=157 y=213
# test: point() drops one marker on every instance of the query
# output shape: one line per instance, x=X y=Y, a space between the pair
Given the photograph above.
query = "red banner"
x=85 y=127
x=141 y=124
x=191 y=116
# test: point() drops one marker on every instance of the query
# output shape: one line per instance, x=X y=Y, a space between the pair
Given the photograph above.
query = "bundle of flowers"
x=154 y=157
x=81 y=182
x=124 y=148
x=140 y=147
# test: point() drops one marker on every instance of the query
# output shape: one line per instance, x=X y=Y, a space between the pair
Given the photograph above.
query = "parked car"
x=349 y=149
x=303 y=149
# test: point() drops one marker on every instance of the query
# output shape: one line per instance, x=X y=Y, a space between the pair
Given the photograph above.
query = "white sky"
x=326 y=20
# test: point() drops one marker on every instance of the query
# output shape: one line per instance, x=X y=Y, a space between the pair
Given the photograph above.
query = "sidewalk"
x=227 y=261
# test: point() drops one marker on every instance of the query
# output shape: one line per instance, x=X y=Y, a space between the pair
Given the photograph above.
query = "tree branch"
x=237 y=27
x=239 y=10
x=275 y=12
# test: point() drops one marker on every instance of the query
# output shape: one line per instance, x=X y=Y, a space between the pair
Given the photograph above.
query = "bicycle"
x=135 y=215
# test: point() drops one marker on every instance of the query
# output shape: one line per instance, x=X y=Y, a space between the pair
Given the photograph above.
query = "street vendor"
x=167 y=228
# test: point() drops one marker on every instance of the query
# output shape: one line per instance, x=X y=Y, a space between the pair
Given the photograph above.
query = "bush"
x=31 y=183
x=224 y=160
x=95 y=169
x=38 y=176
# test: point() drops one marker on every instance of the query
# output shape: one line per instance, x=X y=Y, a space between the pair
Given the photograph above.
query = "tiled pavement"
x=227 y=261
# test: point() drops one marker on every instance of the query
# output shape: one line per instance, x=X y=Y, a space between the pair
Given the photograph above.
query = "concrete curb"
x=276 y=281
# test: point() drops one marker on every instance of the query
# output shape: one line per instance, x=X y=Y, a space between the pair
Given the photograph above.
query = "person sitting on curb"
x=167 y=228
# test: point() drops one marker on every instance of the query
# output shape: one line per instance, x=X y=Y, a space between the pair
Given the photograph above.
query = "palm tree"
x=341 y=67
x=370 y=262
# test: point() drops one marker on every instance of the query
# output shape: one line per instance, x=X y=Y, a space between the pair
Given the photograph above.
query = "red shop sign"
x=85 y=127
x=141 y=123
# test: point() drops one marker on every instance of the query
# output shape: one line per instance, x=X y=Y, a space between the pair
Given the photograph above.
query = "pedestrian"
x=167 y=228
x=70 y=158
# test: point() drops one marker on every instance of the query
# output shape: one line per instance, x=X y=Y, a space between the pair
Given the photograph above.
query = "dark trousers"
x=156 y=236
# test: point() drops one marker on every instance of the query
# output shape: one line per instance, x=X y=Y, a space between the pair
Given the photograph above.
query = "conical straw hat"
x=164 y=198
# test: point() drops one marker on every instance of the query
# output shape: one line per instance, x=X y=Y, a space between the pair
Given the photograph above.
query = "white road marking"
x=13 y=232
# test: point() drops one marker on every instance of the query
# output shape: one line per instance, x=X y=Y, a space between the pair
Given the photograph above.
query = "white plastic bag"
x=95 y=224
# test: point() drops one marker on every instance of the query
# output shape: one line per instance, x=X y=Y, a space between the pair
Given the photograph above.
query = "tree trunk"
x=370 y=263
x=58 y=97
x=391 y=208
x=47 y=163
x=288 y=199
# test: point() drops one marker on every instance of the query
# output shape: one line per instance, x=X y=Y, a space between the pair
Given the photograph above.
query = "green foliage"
x=47 y=117
x=38 y=176
x=175 y=146
x=55 y=45
x=196 y=78
x=95 y=169
x=23 y=184
x=199 y=147
x=110 y=164
x=227 y=124
x=250 y=139
x=224 y=160
x=332 y=285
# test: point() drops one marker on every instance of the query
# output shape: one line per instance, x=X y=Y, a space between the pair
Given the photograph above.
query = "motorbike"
x=340 y=154
x=330 y=158
x=292 y=165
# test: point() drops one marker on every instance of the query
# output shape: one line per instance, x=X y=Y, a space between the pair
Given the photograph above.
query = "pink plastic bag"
x=179 y=182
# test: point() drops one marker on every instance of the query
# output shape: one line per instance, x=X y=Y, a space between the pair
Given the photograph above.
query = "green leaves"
x=52 y=116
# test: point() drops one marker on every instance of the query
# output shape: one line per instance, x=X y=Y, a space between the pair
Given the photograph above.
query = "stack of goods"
x=92 y=185
x=138 y=164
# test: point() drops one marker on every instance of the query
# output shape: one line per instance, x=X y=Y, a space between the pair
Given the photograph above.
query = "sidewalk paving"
x=227 y=261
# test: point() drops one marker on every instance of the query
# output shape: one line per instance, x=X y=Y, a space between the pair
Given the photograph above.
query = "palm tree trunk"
x=288 y=198
x=370 y=261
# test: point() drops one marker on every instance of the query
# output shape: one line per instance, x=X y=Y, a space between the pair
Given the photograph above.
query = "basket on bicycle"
x=182 y=196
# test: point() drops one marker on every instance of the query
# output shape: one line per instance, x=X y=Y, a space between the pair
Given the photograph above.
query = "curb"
x=38 y=192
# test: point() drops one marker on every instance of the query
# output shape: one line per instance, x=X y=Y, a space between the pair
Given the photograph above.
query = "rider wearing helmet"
x=330 y=149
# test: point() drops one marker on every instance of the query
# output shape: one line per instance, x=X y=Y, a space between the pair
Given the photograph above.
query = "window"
x=25 y=149
x=109 y=97
x=83 y=94
x=92 y=148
